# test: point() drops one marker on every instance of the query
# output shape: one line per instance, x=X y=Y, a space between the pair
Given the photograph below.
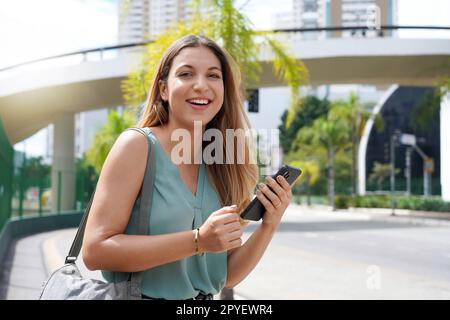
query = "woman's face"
x=195 y=89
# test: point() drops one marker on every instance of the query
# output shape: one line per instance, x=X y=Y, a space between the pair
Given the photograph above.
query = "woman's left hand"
x=275 y=201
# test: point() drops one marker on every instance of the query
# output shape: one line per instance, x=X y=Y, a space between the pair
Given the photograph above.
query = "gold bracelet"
x=197 y=252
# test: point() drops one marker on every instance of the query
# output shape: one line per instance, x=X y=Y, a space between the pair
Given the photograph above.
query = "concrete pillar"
x=63 y=168
x=445 y=150
x=336 y=17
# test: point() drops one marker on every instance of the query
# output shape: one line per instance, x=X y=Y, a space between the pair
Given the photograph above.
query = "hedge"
x=412 y=203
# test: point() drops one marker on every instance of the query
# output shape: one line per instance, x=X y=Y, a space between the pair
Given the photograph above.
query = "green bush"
x=343 y=202
x=411 y=203
x=372 y=202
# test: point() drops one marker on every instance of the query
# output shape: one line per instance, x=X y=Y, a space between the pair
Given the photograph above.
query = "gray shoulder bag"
x=67 y=283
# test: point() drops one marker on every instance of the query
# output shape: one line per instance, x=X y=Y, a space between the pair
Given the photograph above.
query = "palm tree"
x=310 y=175
x=354 y=113
x=423 y=114
x=330 y=135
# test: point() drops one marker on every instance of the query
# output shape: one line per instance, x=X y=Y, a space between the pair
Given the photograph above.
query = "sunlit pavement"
x=318 y=254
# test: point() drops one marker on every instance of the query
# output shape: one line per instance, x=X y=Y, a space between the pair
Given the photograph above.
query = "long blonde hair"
x=235 y=182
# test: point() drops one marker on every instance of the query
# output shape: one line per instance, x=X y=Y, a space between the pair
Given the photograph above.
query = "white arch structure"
x=365 y=139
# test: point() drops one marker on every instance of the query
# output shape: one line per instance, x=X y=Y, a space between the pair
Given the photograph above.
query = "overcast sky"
x=31 y=29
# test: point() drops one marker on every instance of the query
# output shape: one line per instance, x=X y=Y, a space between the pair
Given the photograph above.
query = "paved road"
x=324 y=255
x=315 y=254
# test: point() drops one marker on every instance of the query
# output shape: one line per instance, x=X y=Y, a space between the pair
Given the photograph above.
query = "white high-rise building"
x=165 y=13
x=343 y=13
x=86 y=125
x=143 y=20
x=370 y=13
x=309 y=14
x=134 y=17
x=338 y=13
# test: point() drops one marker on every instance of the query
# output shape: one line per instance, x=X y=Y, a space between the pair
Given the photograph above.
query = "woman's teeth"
x=200 y=102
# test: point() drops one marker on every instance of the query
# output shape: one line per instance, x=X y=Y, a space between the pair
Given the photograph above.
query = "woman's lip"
x=199 y=107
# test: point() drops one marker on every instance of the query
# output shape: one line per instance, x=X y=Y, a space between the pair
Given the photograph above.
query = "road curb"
x=50 y=253
x=401 y=216
x=414 y=220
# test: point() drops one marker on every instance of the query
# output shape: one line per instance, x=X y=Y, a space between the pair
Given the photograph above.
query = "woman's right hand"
x=221 y=232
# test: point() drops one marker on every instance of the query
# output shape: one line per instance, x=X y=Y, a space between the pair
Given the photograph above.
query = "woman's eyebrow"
x=216 y=68
x=191 y=67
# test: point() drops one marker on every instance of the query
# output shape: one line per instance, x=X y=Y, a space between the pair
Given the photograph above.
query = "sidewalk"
x=23 y=270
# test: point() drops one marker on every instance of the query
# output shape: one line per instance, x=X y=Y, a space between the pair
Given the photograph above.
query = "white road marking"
x=310 y=235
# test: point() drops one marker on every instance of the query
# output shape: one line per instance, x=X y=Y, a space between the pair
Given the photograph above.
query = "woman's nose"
x=200 y=84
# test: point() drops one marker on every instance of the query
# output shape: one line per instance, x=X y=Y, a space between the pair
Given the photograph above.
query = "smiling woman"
x=194 y=247
x=195 y=81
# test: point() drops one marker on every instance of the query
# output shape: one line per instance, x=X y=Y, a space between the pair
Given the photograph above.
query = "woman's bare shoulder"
x=128 y=152
x=130 y=141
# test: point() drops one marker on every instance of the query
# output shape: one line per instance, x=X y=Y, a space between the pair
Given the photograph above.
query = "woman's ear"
x=163 y=90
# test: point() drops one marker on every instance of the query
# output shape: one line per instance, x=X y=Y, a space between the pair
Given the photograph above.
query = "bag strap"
x=134 y=289
x=146 y=195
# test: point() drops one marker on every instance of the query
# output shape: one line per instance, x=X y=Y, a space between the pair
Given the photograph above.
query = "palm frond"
x=291 y=71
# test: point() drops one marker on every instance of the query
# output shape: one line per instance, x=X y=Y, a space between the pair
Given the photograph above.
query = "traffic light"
x=253 y=100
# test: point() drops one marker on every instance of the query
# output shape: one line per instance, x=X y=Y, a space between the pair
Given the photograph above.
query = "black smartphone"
x=255 y=209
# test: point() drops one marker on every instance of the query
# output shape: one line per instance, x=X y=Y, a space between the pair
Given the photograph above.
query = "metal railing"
x=101 y=50
x=360 y=28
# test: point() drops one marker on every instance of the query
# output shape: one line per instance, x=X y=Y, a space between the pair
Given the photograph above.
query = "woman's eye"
x=184 y=74
x=216 y=76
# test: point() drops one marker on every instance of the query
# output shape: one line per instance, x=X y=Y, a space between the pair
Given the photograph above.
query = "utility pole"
x=408 y=171
x=394 y=138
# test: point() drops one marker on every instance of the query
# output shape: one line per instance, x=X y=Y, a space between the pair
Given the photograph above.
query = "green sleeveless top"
x=175 y=209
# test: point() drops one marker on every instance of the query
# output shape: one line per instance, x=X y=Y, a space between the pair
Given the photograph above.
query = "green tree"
x=106 y=136
x=427 y=110
x=312 y=108
x=86 y=180
x=355 y=114
x=310 y=175
x=330 y=135
x=33 y=173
